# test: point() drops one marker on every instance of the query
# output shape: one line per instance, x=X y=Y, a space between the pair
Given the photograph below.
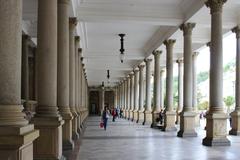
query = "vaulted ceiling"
x=146 y=23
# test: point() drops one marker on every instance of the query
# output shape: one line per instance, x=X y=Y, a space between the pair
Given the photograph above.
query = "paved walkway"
x=125 y=140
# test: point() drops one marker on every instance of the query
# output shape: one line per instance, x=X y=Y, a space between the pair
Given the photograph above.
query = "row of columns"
x=62 y=92
x=216 y=118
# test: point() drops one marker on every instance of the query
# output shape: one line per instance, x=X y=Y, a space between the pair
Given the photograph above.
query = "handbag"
x=101 y=125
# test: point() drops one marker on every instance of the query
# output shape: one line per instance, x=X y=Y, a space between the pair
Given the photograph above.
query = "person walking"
x=105 y=116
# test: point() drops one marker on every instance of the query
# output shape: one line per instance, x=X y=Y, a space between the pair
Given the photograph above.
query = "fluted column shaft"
x=194 y=80
x=162 y=89
x=72 y=25
x=156 y=91
x=216 y=56
x=25 y=68
x=180 y=85
x=132 y=91
x=169 y=80
x=136 y=89
x=141 y=77
x=187 y=95
x=63 y=72
x=77 y=39
x=128 y=93
x=236 y=30
x=148 y=85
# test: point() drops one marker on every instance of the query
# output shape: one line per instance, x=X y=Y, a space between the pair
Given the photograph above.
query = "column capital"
x=179 y=60
x=77 y=38
x=156 y=53
x=80 y=50
x=26 y=37
x=236 y=30
x=187 y=28
x=162 y=70
x=147 y=60
x=215 y=5
x=141 y=66
x=208 y=44
x=73 y=21
x=195 y=54
x=135 y=70
x=169 y=42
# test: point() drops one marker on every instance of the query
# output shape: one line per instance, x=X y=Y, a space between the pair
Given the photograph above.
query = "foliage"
x=202 y=76
x=229 y=101
x=203 y=105
x=229 y=67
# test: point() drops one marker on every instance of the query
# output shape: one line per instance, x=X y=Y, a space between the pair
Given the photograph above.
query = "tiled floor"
x=125 y=140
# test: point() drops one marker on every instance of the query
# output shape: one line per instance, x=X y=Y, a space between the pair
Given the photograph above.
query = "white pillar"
x=136 y=94
x=187 y=117
x=180 y=89
x=141 y=80
x=169 y=119
x=216 y=119
x=148 y=110
x=156 y=89
x=235 y=115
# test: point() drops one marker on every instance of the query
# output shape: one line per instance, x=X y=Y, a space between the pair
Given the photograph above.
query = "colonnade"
x=61 y=83
x=216 y=129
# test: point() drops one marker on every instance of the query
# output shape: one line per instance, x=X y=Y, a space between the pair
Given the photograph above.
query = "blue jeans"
x=105 y=123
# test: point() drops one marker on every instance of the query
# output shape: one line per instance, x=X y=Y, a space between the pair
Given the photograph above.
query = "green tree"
x=229 y=101
x=203 y=105
x=202 y=76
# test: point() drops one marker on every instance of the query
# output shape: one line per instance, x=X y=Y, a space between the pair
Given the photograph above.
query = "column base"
x=67 y=131
x=75 y=134
x=79 y=123
x=129 y=115
x=155 y=120
x=126 y=114
x=169 y=121
x=147 y=118
x=16 y=143
x=216 y=130
x=197 y=119
x=140 y=117
x=135 y=116
x=235 y=123
x=50 y=131
x=187 y=125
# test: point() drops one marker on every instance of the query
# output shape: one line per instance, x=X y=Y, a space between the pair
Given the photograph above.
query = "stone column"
x=80 y=86
x=131 y=96
x=127 y=96
x=162 y=89
x=156 y=89
x=77 y=40
x=216 y=119
x=47 y=118
x=180 y=89
x=79 y=55
x=169 y=119
x=120 y=95
x=25 y=71
x=148 y=109
x=141 y=109
x=115 y=97
x=187 y=116
x=102 y=99
x=63 y=73
x=235 y=115
x=194 y=89
x=72 y=87
x=17 y=136
x=136 y=95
